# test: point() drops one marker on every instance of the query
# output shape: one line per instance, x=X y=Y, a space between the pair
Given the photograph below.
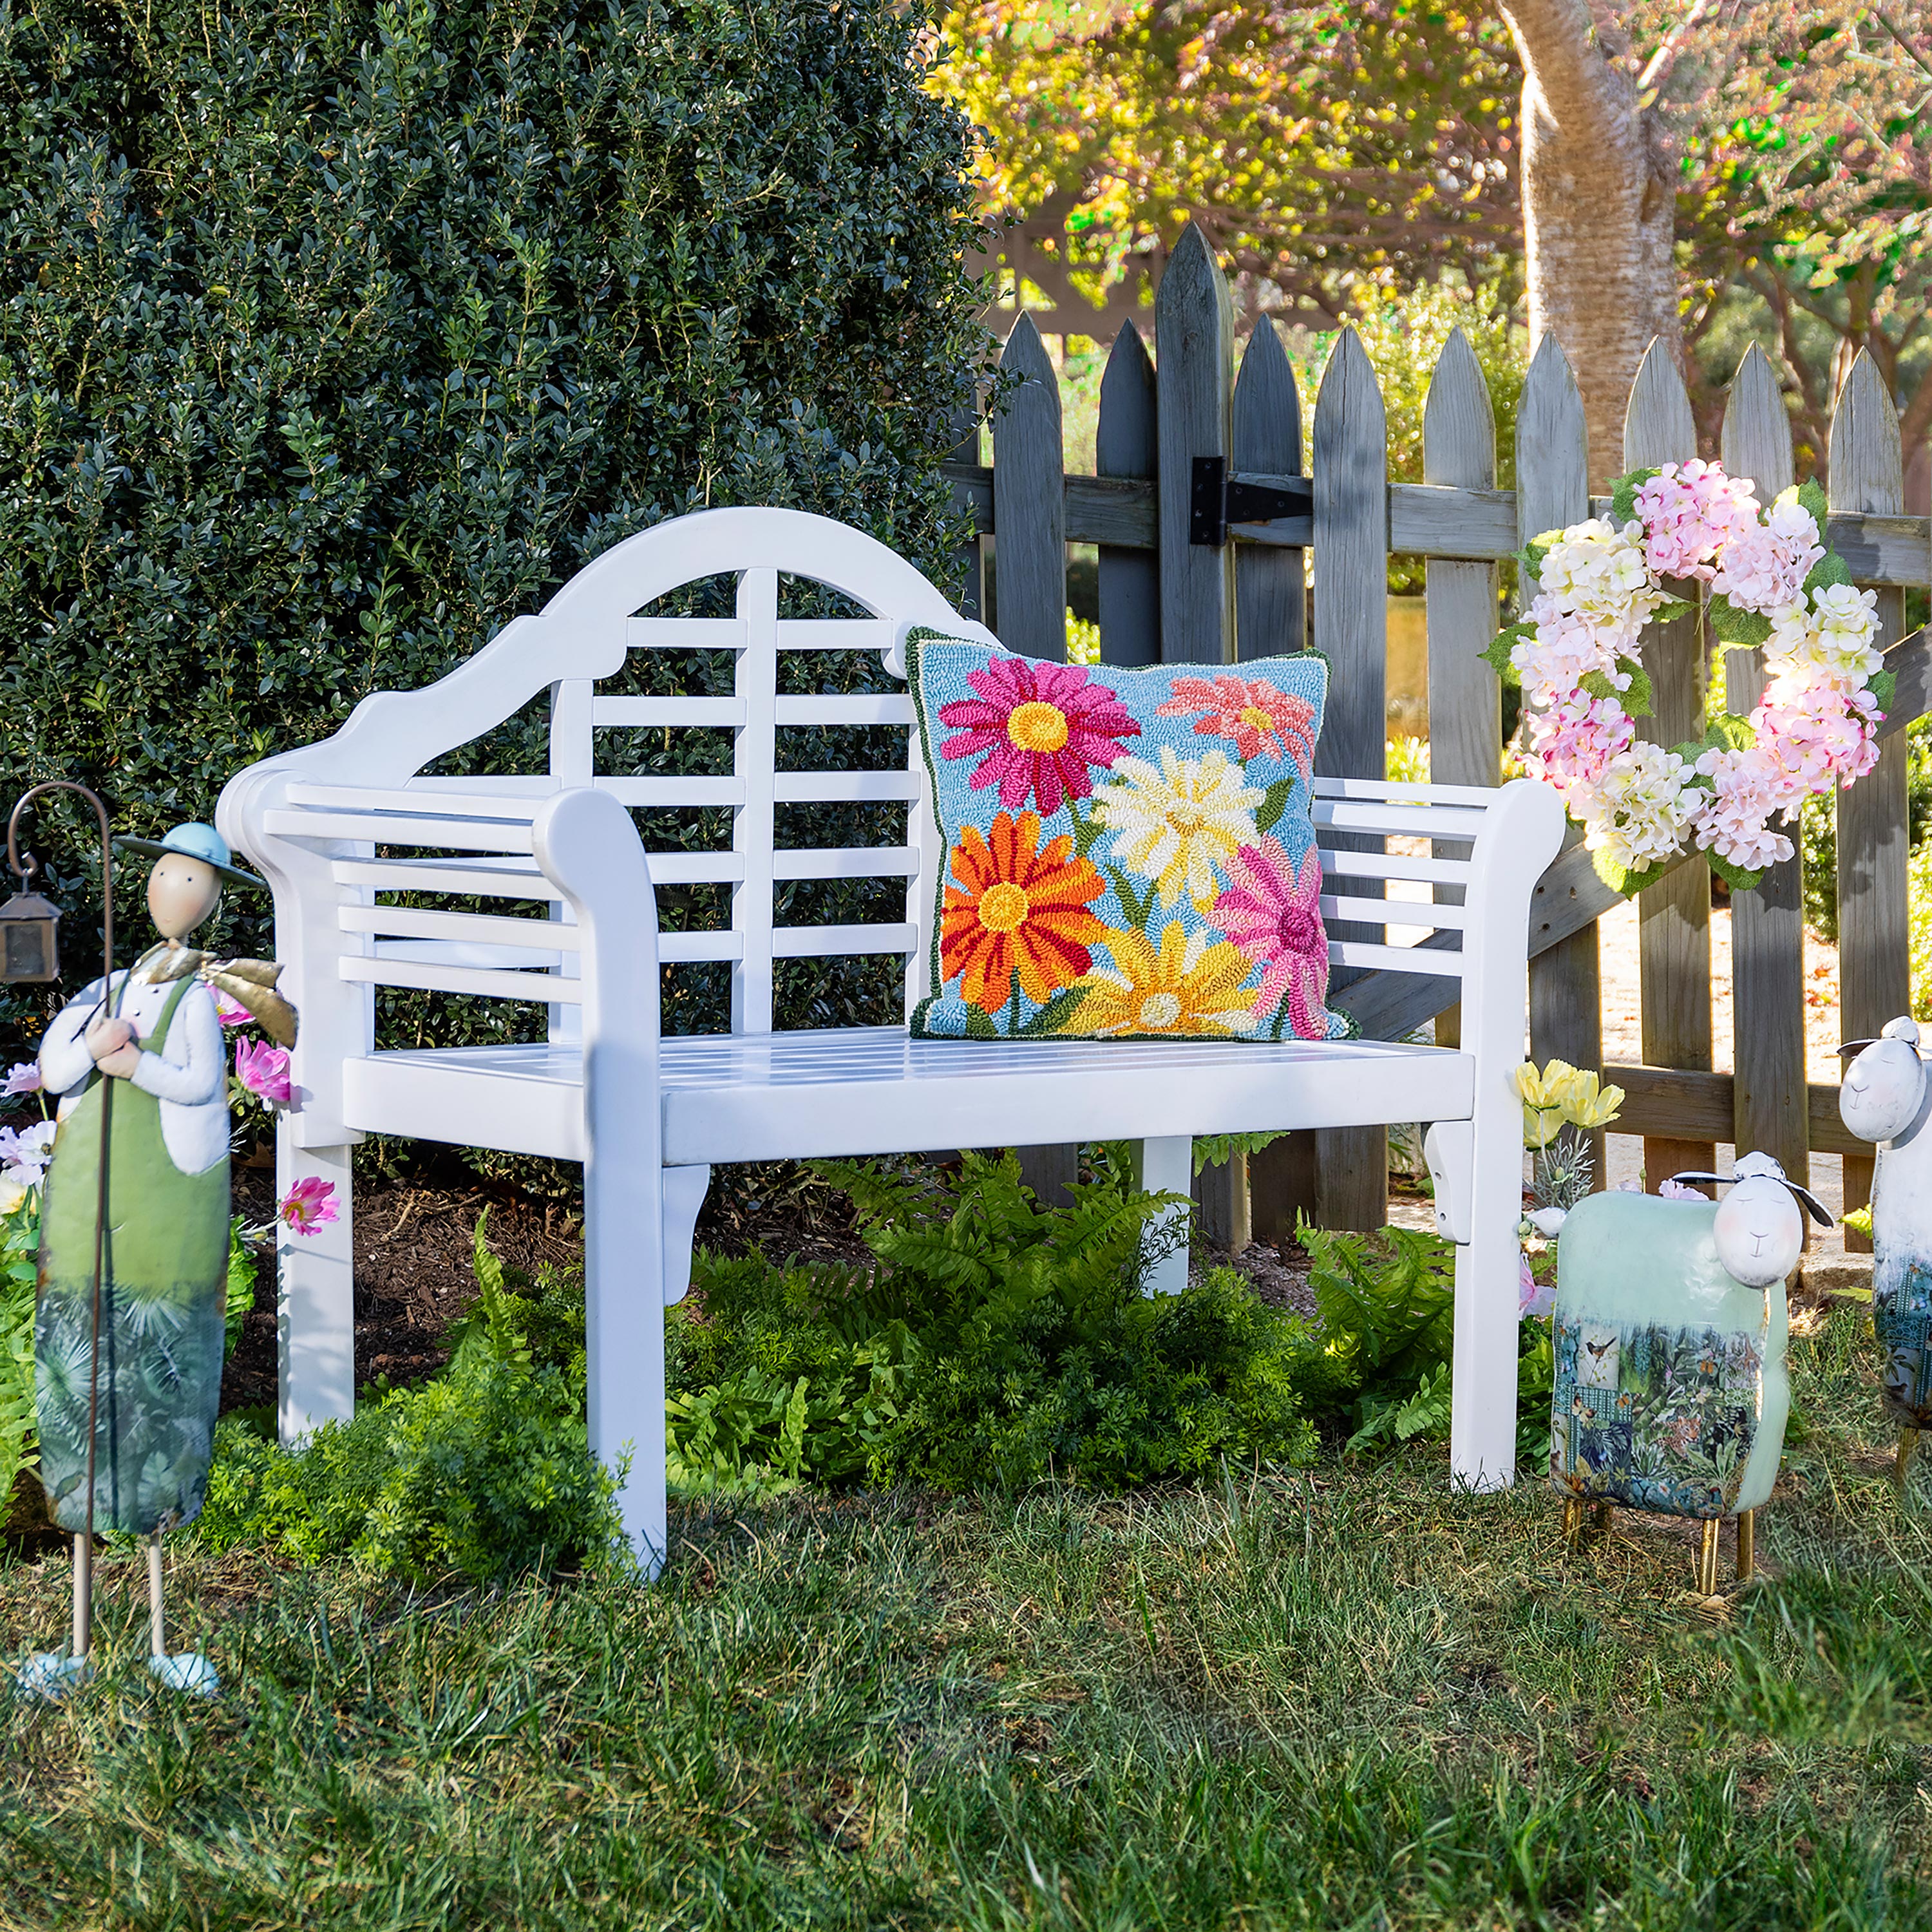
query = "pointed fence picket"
x=1673 y=918
x=1767 y=926
x=1867 y=477
x=1318 y=575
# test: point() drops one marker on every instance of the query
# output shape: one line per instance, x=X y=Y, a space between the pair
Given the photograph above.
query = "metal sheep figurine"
x=1671 y=1389
x=1884 y=1099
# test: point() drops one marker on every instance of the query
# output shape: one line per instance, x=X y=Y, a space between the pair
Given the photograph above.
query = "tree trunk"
x=1599 y=212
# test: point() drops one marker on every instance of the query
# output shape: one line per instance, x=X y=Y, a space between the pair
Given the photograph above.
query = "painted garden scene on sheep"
x=966 y=966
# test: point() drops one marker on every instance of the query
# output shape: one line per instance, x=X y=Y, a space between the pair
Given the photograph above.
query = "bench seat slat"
x=871 y=1090
x=511 y=807
x=1394 y=865
x=544 y=988
x=849 y=862
x=1451 y=822
x=1395 y=912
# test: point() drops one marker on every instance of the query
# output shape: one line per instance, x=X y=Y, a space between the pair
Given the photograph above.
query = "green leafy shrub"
x=484 y=1470
x=1382 y=1370
x=994 y=1341
x=334 y=335
x=19 y=1250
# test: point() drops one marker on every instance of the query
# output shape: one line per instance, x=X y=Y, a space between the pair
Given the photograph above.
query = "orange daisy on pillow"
x=1263 y=721
x=1018 y=909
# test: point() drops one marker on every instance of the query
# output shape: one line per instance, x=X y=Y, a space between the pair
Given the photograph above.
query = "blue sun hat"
x=194 y=841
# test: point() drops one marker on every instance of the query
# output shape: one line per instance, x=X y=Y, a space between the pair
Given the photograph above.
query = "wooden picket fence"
x=1165 y=595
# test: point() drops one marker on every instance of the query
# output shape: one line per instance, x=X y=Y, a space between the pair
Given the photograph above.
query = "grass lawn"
x=1345 y=1698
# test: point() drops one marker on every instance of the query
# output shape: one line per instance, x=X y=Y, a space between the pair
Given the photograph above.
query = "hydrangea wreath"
x=1773 y=582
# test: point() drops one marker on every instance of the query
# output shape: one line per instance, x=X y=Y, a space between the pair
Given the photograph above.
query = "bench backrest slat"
x=1419 y=836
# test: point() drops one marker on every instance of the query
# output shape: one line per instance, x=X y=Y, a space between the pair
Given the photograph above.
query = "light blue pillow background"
x=1153 y=759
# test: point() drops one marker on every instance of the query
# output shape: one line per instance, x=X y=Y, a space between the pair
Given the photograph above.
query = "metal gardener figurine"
x=140 y=1385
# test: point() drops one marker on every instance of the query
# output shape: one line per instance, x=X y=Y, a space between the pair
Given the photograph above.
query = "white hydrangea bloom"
x=1763 y=567
x=1837 y=635
x=1639 y=813
x=1597 y=572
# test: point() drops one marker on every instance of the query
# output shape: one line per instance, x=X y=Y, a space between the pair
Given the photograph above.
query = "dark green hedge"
x=335 y=335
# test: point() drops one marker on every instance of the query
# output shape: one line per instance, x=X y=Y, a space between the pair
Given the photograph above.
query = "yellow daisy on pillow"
x=1172 y=824
x=1192 y=986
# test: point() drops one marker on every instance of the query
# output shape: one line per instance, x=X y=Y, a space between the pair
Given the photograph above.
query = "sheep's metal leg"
x=1573 y=1522
x=1746 y=1544
x=1908 y=1444
x=157 y=1634
x=1707 y=1560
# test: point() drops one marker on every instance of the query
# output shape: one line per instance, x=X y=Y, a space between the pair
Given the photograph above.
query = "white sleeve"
x=192 y=1068
x=64 y=1061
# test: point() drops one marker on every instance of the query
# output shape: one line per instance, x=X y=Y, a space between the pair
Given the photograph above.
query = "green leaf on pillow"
x=1056 y=1016
x=1267 y=813
x=1135 y=907
x=979 y=1026
x=1087 y=830
x=1745 y=628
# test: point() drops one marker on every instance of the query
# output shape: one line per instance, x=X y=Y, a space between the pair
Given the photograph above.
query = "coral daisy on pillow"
x=1163 y=884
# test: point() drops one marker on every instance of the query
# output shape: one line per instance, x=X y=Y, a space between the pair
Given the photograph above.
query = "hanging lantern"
x=29 y=939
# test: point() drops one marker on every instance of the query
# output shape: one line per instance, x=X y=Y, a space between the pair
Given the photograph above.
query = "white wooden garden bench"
x=342 y=827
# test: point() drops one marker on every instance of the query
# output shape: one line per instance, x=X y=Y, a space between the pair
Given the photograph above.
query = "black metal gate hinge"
x=1216 y=500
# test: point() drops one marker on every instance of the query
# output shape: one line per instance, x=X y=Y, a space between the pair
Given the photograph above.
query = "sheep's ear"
x=1812 y=1203
x=1706 y=1180
x=1851 y=1046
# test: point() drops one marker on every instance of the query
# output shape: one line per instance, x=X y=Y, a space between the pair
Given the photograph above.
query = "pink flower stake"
x=309 y=1206
x=1262 y=722
x=1039 y=726
x=1274 y=914
x=264 y=1070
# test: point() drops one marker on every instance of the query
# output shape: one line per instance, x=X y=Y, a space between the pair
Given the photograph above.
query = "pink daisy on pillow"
x=1272 y=912
x=1039 y=726
x=1263 y=721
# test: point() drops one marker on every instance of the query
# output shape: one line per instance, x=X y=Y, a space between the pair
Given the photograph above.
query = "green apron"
x=163 y=1303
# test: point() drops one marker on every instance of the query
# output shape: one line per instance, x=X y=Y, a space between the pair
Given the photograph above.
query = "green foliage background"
x=334 y=333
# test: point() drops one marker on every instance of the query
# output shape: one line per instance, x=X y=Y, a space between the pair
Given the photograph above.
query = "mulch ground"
x=414 y=1244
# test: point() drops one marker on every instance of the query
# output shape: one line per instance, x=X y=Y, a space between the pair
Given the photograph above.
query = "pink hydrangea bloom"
x=23 y=1077
x=309 y=1206
x=1036 y=728
x=1563 y=650
x=1571 y=744
x=1764 y=566
x=1273 y=914
x=264 y=1070
x=1732 y=819
x=1689 y=510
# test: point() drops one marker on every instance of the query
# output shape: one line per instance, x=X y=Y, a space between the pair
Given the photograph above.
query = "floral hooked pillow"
x=1129 y=853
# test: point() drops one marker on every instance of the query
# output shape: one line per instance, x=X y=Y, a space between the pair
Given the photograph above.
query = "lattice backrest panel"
x=740 y=800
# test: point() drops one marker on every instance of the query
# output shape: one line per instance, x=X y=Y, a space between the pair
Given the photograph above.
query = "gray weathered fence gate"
x=1178 y=581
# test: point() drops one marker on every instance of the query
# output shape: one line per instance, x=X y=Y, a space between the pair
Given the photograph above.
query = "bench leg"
x=1166 y=1166
x=624 y=1326
x=315 y=1316
x=1482 y=1423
